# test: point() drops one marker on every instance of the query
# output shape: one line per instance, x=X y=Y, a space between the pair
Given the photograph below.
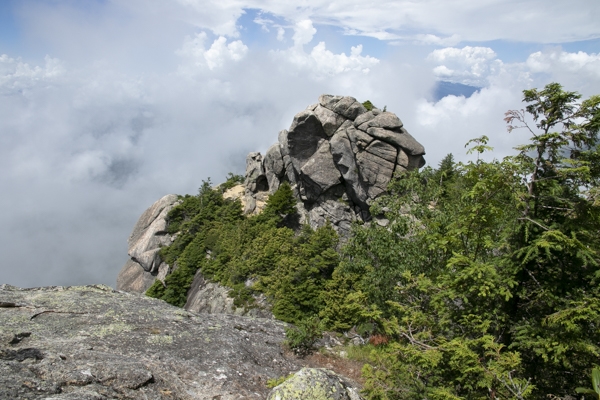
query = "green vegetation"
x=251 y=255
x=368 y=105
x=484 y=284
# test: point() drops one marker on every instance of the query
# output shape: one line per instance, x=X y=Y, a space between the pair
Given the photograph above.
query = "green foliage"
x=485 y=282
x=249 y=255
x=232 y=180
x=595 y=391
x=271 y=383
x=487 y=275
x=368 y=105
x=302 y=337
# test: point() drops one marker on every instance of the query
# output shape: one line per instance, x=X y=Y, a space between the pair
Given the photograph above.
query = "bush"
x=302 y=338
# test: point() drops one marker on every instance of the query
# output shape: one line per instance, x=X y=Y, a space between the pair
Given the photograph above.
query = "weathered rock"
x=409 y=162
x=303 y=138
x=319 y=172
x=133 y=278
x=344 y=160
x=256 y=180
x=211 y=298
x=274 y=167
x=359 y=139
x=375 y=171
x=324 y=148
x=315 y=383
x=92 y=342
x=346 y=106
x=330 y=120
x=148 y=235
x=384 y=120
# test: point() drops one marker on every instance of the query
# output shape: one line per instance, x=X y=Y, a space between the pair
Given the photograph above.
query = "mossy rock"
x=314 y=384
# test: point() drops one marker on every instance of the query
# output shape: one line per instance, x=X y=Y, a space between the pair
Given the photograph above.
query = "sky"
x=108 y=105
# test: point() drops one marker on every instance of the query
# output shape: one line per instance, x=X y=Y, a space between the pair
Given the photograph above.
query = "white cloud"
x=303 y=32
x=280 y=33
x=196 y=55
x=16 y=75
x=321 y=63
x=576 y=71
x=468 y=65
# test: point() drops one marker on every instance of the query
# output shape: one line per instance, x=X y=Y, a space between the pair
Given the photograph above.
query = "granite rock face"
x=149 y=234
x=315 y=383
x=92 y=342
x=338 y=157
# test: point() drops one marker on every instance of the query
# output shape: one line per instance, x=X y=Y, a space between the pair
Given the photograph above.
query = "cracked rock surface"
x=92 y=342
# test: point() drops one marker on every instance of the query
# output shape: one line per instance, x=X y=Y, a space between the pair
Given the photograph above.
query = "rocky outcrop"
x=338 y=157
x=212 y=298
x=92 y=342
x=315 y=383
x=149 y=234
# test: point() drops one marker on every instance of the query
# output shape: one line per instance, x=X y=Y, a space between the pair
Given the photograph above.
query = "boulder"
x=315 y=383
x=92 y=342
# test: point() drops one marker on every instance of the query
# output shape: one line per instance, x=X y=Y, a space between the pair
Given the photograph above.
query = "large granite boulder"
x=92 y=342
x=338 y=157
x=315 y=383
x=148 y=236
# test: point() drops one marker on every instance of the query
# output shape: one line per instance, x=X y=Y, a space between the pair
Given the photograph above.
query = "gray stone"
x=92 y=342
x=315 y=383
x=329 y=119
x=343 y=158
x=346 y=106
x=273 y=167
x=410 y=144
x=148 y=236
x=359 y=139
x=338 y=213
x=319 y=172
x=385 y=120
x=400 y=139
x=290 y=173
x=133 y=278
x=329 y=101
x=409 y=162
x=212 y=298
x=349 y=107
x=256 y=180
x=361 y=119
x=383 y=150
x=303 y=138
x=375 y=171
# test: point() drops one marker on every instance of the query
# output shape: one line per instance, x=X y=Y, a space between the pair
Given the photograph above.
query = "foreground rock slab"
x=91 y=342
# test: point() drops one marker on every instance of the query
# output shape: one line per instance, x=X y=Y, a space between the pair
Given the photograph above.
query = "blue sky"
x=107 y=105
